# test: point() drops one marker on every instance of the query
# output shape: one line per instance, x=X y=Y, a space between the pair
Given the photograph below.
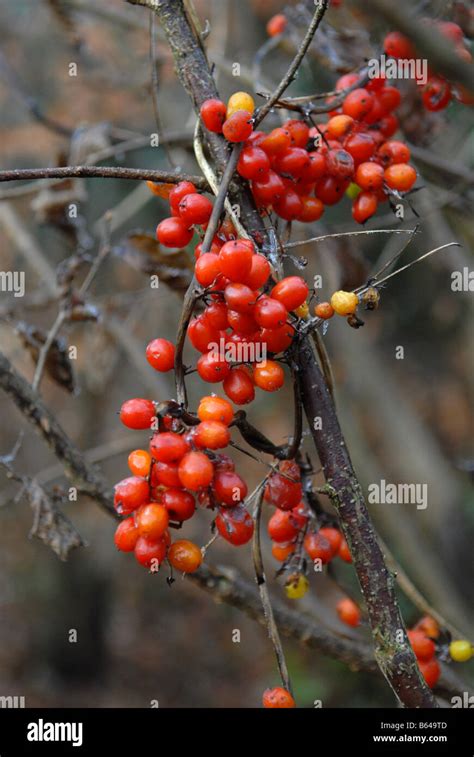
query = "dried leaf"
x=57 y=366
x=50 y=525
x=142 y=251
x=160 y=190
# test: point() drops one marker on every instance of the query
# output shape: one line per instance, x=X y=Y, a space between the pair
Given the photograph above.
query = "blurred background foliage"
x=406 y=420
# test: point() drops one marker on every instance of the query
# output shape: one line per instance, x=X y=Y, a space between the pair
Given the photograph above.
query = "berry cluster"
x=296 y=170
x=181 y=468
x=437 y=92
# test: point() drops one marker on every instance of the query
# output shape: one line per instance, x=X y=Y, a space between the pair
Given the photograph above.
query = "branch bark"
x=101 y=172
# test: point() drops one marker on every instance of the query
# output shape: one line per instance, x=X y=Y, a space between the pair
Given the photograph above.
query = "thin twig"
x=338 y=235
x=321 y=7
x=101 y=172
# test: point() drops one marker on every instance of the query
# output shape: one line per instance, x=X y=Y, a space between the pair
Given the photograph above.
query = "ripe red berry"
x=212 y=435
x=239 y=387
x=344 y=552
x=277 y=698
x=240 y=297
x=259 y=272
x=339 y=126
x=283 y=492
x=185 y=556
x=168 y=447
x=242 y=323
x=369 y=176
x=173 y=232
x=212 y=368
x=195 y=471
x=288 y=207
x=312 y=209
x=333 y=535
x=195 y=209
x=201 y=334
x=284 y=525
x=238 y=127
x=390 y=98
x=165 y=474
x=358 y=103
x=361 y=146
x=235 y=260
x=235 y=524
x=213 y=113
x=215 y=409
x=270 y=313
x=330 y=190
x=129 y=494
x=316 y=169
x=229 y=488
x=139 y=462
x=364 y=206
x=207 y=268
x=293 y=162
x=276 y=142
x=253 y=163
x=436 y=94
x=291 y=291
x=179 y=504
x=126 y=535
x=152 y=520
x=281 y=551
x=299 y=132
x=150 y=552
x=319 y=547
x=178 y=192
x=398 y=46
x=160 y=355
x=215 y=315
x=348 y=612
x=430 y=671
x=400 y=176
x=423 y=647
x=269 y=189
x=392 y=152
x=137 y=413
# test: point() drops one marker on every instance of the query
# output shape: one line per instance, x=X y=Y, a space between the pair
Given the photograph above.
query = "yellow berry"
x=296 y=587
x=344 y=303
x=461 y=650
x=240 y=101
x=353 y=190
x=303 y=310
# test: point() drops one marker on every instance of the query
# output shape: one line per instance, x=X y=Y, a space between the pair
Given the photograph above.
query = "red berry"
x=126 y=535
x=150 y=552
x=195 y=471
x=277 y=340
x=235 y=524
x=270 y=313
x=339 y=126
x=212 y=368
x=388 y=125
x=165 y=474
x=436 y=94
x=269 y=376
x=278 y=141
x=390 y=98
x=269 y=189
x=277 y=698
x=398 y=46
x=238 y=127
x=283 y=492
x=423 y=647
x=212 y=435
x=195 y=209
x=294 y=162
x=284 y=525
x=400 y=176
x=324 y=310
x=130 y=493
x=319 y=547
x=348 y=612
x=173 y=232
x=160 y=355
x=178 y=192
x=333 y=535
x=288 y=207
x=235 y=260
x=299 y=132
x=392 y=152
x=364 y=206
x=179 y=504
x=259 y=272
x=152 y=520
x=201 y=334
x=229 y=487
x=291 y=291
x=330 y=190
x=239 y=387
x=137 y=413
x=213 y=113
x=358 y=103
x=340 y=164
x=369 y=176
x=361 y=146
x=240 y=297
x=215 y=315
x=344 y=552
x=207 y=268
x=185 y=556
x=430 y=671
x=242 y=323
x=215 y=409
x=168 y=447
x=253 y=163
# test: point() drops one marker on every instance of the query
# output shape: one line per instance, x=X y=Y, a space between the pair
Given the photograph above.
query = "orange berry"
x=185 y=556
x=277 y=698
x=139 y=462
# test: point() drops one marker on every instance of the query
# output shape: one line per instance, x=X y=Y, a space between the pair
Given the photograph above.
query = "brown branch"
x=101 y=172
x=396 y=659
x=81 y=474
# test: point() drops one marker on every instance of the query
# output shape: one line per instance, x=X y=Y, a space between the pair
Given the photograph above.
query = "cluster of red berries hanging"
x=436 y=92
x=426 y=639
x=296 y=170
x=181 y=469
